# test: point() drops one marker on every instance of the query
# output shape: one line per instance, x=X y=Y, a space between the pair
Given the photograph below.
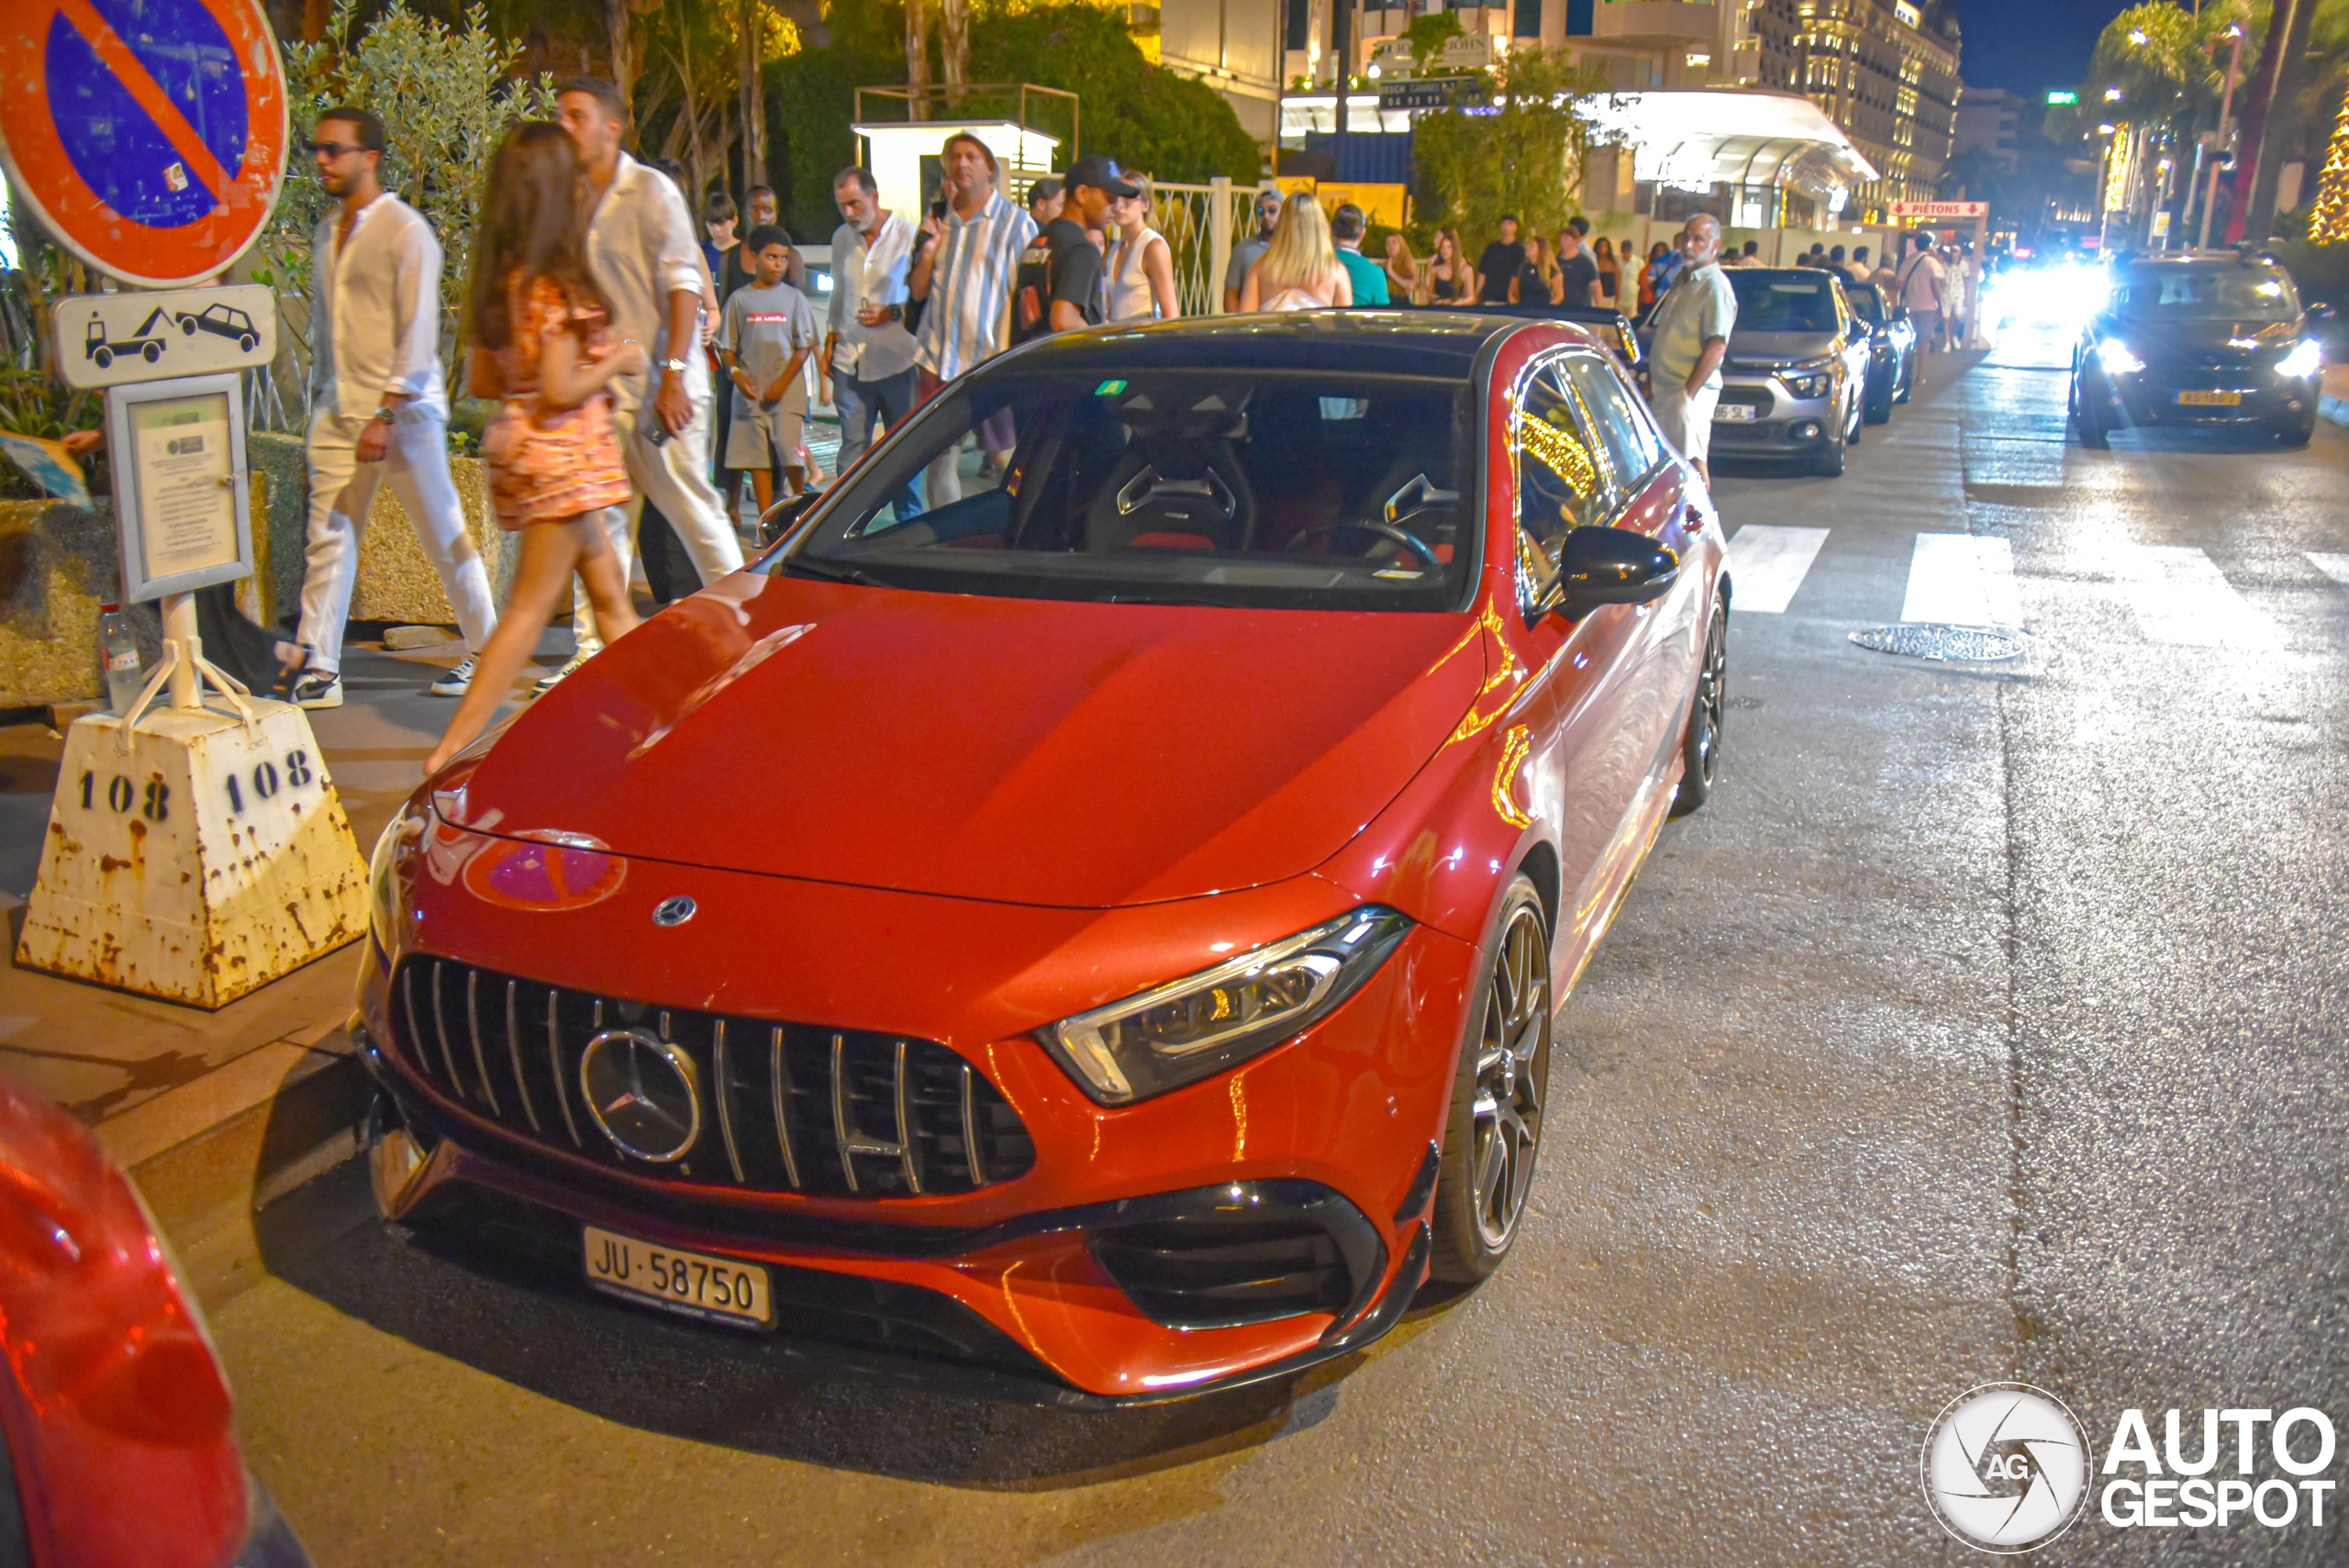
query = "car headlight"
x=398 y=846
x=1813 y=378
x=1190 y=1029
x=2114 y=356
x=2305 y=359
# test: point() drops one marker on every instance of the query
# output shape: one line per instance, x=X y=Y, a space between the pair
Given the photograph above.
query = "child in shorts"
x=768 y=332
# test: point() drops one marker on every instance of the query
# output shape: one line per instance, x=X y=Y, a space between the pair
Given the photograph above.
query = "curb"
x=218 y=1160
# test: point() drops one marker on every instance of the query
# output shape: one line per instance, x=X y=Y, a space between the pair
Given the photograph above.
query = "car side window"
x=1562 y=479
x=1563 y=483
x=1621 y=424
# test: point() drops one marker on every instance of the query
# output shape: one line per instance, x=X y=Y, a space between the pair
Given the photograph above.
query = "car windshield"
x=1780 y=302
x=1271 y=489
x=2215 y=292
x=1866 y=303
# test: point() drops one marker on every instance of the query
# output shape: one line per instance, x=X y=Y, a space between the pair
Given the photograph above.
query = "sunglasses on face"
x=335 y=148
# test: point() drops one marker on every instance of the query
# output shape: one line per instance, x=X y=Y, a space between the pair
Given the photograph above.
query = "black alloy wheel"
x=1493 y=1130
x=1701 y=742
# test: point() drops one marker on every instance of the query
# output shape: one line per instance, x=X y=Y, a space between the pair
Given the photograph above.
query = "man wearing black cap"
x=1059 y=288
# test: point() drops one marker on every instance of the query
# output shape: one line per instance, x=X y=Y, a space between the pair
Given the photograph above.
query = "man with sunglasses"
x=1245 y=253
x=379 y=408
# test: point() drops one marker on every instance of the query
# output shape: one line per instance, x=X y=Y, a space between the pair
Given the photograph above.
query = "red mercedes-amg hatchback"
x=1107 y=925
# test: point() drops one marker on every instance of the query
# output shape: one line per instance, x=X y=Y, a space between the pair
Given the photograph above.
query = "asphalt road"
x=1988 y=1025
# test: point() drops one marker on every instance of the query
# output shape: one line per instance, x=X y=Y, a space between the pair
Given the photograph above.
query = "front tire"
x=1700 y=743
x=1493 y=1131
x=2085 y=420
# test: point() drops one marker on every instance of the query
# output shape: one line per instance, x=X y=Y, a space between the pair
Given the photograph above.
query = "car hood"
x=2213 y=334
x=1780 y=348
x=1031 y=752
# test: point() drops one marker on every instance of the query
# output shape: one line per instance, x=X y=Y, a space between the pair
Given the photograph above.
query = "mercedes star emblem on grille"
x=672 y=911
x=641 y=1092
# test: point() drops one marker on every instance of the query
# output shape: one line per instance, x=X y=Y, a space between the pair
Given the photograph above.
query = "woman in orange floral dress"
x=539 y=342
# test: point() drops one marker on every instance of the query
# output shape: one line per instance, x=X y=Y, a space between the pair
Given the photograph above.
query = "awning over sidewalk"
x=1695 y=140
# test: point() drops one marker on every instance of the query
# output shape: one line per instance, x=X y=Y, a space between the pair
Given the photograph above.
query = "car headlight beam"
x=1202 y=1024
x=2305 y=359
x=2114 y=356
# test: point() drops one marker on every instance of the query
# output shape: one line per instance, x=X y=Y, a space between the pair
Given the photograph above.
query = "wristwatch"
x=387 y=414
x=677 y=365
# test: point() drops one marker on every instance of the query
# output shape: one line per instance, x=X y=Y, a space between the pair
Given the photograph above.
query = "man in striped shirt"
x=969 y=259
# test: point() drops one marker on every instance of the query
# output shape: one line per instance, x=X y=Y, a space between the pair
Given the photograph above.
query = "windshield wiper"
x=829 y=571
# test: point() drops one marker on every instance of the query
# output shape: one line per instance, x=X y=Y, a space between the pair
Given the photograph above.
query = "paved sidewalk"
x=216 y=1114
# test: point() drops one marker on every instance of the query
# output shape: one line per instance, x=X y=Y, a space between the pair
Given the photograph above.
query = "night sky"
x=2028 y=46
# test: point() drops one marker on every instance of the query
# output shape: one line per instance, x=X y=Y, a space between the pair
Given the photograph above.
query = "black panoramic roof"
x=1363 y=342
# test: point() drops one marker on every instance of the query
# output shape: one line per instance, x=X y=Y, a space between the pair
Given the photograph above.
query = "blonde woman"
x=1141 y=267
x=1540 y=283
x=1300 y=270
x=1406 y=277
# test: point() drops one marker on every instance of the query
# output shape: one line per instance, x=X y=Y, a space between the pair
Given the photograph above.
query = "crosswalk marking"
x=2181 y=598
x=2333 y=566
x=1767 y=563
x=1963 y=580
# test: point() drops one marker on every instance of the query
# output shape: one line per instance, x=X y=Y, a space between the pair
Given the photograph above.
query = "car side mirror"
x=1610 y=566
x=777 y=521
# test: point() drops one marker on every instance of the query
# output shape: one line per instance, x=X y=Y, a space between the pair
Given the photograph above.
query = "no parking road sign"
x=147 y=135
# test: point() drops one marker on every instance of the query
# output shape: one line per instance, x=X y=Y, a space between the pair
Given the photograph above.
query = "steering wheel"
x=1384 y=530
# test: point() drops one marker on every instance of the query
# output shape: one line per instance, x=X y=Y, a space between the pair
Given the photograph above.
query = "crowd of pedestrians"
x=605 y=330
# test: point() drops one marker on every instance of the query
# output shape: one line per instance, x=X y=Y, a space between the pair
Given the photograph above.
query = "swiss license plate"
x=695 y=1284
x=2210 y=399
x=1733 y=414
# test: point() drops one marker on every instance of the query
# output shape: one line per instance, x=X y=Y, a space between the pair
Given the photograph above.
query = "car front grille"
x=783 y=1106
x=1746 y=396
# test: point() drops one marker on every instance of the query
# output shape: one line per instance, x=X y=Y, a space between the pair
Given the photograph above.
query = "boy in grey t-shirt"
x=768 y=333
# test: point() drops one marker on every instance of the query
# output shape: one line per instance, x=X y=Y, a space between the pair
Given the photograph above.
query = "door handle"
x=1692 y=520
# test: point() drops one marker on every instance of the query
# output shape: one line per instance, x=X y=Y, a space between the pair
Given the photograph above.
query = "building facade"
x=1989 y=120
x=1887 y=71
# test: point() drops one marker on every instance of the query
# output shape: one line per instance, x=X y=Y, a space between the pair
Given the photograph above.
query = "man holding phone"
x=869 y=355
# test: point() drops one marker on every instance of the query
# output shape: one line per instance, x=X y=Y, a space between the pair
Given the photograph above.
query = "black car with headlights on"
x=1892 y=351
x=1797 y=367
x=2197 y=339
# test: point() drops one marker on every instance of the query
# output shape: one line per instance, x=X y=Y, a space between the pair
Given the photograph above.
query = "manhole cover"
x=1964 y=644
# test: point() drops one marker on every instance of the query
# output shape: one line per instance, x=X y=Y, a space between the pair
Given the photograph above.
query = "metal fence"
x=1200 y=223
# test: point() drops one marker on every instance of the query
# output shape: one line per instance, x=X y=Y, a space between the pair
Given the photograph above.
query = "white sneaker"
x=554 y=678
x=457 y=682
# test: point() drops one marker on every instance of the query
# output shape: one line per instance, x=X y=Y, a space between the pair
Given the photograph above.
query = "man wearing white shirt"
x=647 y=264
x=868 y=354
x=381 y=410
x=966 y=276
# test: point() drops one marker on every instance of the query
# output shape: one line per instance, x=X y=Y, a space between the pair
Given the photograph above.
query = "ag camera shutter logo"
x=2005 y=1467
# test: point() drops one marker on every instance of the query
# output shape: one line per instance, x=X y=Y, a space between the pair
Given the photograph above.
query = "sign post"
x=196 y=850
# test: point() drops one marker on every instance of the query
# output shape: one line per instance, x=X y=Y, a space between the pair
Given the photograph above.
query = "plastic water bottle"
x=119 y=649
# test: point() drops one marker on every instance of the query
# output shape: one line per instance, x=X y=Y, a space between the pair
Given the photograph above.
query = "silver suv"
x=1794 y=383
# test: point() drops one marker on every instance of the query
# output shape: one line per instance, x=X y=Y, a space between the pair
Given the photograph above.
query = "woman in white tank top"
x=1141 y=267
x=1300 y=270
